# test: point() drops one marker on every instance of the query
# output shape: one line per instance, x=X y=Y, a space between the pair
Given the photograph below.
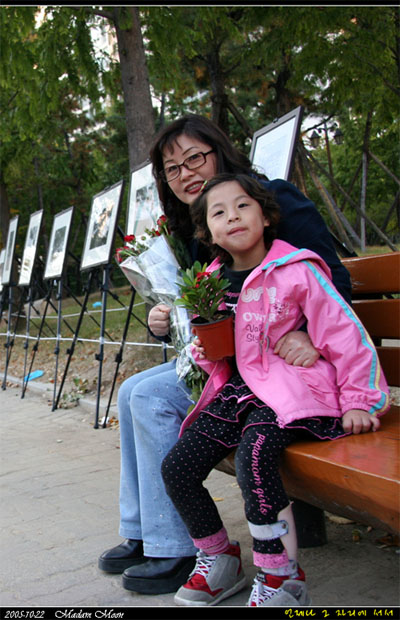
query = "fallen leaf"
x=356 y=535
x=389 y=540
x=339 y=520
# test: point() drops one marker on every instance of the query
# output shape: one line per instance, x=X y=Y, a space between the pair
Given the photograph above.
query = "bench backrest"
x=376 y=286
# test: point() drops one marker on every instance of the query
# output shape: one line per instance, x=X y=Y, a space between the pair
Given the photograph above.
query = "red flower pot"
x=217 y=337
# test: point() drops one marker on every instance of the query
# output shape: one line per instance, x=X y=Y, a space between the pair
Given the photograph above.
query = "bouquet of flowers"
x=152 y=262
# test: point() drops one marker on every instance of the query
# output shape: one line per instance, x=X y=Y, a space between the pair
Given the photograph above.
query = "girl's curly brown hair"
x=252 y=187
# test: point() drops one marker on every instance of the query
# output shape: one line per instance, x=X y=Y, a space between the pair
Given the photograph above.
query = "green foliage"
x=202 y=292
x=54 y=148
x=62 y=128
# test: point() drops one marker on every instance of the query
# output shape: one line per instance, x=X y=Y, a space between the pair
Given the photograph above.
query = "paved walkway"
x=59 y=511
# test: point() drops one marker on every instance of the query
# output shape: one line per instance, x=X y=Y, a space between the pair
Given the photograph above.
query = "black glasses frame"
x=163 y=175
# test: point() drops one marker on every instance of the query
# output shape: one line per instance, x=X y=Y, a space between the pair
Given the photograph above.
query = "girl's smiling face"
x=236 y=223
x=189 y=183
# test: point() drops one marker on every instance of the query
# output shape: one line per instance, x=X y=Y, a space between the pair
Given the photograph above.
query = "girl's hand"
x=296 y=349
x=198 y=348
x=358 y=421
x=158 y=320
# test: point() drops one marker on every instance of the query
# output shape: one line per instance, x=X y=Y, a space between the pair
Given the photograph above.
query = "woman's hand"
x=357 y=421
x=158 y=321
x=296 y=349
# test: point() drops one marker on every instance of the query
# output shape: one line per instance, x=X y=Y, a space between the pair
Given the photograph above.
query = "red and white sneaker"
x=272 y=590
x=214 y=578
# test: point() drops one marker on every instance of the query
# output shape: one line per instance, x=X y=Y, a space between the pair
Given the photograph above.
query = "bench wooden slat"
x=390 y=360
x=381 y=317
x=378 y=273
x=356 y=477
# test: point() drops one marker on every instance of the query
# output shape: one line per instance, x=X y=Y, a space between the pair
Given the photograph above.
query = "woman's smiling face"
x=188 y=184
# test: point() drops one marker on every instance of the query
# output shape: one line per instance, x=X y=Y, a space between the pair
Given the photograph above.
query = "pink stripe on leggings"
x=214 y=544
x=270 y=560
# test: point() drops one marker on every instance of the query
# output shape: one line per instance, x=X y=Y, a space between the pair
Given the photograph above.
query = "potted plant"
x=202 y=293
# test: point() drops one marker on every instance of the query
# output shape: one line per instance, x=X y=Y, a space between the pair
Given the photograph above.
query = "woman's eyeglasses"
x=191 y=163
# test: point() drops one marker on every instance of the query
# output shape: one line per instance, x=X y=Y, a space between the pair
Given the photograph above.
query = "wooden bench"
x=358 y=476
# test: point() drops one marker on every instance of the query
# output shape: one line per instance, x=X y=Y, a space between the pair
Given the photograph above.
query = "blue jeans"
x=151 y=407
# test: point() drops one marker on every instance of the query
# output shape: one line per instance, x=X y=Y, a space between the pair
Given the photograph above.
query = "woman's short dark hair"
x=229 y=159
x=254 y=189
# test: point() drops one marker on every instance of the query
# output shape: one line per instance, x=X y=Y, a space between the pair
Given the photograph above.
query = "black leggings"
x=188 y=464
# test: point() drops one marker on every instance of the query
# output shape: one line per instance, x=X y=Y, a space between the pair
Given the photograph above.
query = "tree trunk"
x=4 y=214
x=219 y=98
x=298 y=177
x=283 y=99
x=284 y=105
x=135 y=84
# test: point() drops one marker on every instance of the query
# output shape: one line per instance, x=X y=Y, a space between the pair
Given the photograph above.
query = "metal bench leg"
x=310 y=525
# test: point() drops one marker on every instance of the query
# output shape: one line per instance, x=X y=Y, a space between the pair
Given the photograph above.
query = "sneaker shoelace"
x=203 y=564
x=261 y=592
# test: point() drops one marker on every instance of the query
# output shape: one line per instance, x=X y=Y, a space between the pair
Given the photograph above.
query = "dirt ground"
x=59 y=511
x=82 y=376
x=371 y=553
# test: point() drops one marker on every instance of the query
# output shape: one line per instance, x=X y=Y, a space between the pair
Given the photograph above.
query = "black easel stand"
x=58 y=337
x=100 y=355
x=38 y=286
x=32 y=305
x=26 y=343
x=10 y=339
x=71 y=294
x=2 y=301
x=71 y=349
x=36 y=345
x=118 y=357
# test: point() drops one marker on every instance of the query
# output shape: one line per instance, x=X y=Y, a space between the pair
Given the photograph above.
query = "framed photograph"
x=2 y=261
x=10 y=249
x=144 y=207
x=274 y=147
x=59 y=238
x=30 y=248
x=101 y=227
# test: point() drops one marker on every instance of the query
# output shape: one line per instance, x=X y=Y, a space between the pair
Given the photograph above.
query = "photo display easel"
x=96 y=255
x=273 y=148
x=7 y=281
x=53 y=273
x=25 y=278
x=2 y=287
x=144 y=209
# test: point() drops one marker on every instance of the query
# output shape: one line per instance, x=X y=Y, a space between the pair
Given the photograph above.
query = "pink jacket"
x=289 y=287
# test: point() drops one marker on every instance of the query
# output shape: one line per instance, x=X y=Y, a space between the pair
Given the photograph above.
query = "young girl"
x=265 y=404
x=157 y=554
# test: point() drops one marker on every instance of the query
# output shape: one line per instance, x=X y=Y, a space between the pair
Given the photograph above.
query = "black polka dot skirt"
x=233 y=405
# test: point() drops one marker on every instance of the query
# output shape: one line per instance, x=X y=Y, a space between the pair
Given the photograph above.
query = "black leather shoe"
x=117 y=559
x=158 y=575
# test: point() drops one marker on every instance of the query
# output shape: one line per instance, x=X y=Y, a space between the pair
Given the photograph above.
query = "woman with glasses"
x=157 y=554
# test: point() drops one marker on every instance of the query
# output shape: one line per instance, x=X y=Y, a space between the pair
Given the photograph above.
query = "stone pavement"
x=59 y=511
